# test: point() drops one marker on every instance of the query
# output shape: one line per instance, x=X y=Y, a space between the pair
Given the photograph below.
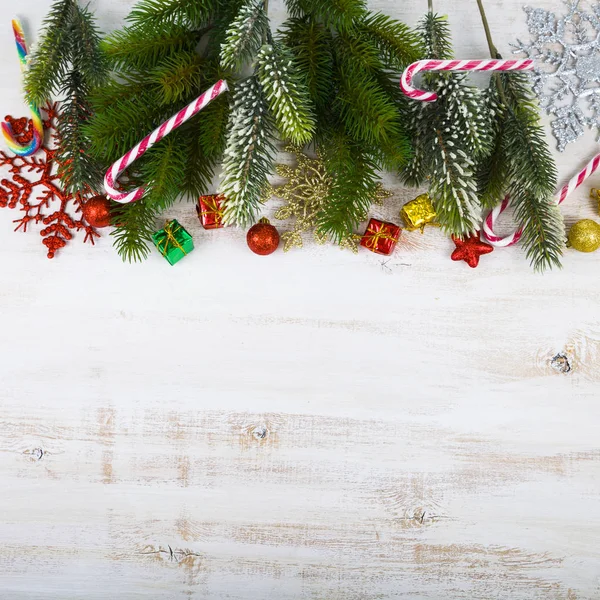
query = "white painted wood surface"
x=315 y=425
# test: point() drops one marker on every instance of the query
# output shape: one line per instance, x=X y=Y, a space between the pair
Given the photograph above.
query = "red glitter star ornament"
x=51 y=205
x=470 y=249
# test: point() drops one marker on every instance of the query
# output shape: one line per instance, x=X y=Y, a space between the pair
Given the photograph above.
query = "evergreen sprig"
x=286 y=93
x=349 y=59
x=341 y=15
x=157 y=13
x=129 y=50
x=522 y=166
x=68 y=62
x=521 y=163
x=249 y=154
x=165 y=57
x=246 y=35
x=451 y=136
x=48 y=63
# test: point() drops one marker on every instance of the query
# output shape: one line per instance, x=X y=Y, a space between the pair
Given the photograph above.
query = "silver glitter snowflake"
x=566 y=50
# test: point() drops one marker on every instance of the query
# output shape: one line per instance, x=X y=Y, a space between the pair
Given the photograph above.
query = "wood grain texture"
x=315 y=425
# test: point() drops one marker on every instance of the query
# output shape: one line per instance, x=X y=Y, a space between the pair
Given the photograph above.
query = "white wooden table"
x=313 y=425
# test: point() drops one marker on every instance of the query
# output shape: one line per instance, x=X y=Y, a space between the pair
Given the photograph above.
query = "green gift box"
x=173 y=242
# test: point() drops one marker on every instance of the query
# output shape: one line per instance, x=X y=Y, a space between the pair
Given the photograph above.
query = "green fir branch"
x=78 y=170
x=135 y=49
x=286 y=93
x=311 y=45
x=354 y=183
x=178 y=78
x=249 y=155
x=338 y=14
x=190 y=13
x=437 y=38
x=246 y=35
x=397 y=44
x=124 y=113
x=531 y=173
x=134 y=225
x=49 y=60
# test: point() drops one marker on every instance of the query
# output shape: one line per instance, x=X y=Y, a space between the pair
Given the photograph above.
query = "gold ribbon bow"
x=170 y=240
x=375 y=235
x=213 y=208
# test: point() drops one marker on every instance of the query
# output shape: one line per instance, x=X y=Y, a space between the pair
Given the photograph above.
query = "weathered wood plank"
x=314 y=425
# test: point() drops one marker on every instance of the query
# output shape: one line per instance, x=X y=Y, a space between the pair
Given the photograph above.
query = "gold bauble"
x=585 y=236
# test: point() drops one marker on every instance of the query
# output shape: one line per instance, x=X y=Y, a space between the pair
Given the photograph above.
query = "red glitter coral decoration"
x=51 y=206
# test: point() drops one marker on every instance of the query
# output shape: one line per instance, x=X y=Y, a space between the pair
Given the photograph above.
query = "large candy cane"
x=158 y=134
x=509 y=240
x=455 y=65
x=38 y=126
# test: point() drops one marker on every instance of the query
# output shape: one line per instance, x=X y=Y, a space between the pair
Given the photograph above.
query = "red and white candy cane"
x=158 y=134
x=509 y=240
x=455 y=65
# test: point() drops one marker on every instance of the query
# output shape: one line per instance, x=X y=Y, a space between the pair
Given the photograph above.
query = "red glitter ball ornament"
x=263 y=238
x=470 y=249
x=96 y=211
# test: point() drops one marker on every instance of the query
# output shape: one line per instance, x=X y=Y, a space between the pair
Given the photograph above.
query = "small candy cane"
x=455 y=65
x=38 y=125
x=158 y=134
x=509 y=240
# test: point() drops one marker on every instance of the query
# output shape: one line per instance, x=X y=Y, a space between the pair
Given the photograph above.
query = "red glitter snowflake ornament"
x=51 y=205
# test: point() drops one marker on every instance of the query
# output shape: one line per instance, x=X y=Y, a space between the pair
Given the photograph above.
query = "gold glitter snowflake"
x=304 y=194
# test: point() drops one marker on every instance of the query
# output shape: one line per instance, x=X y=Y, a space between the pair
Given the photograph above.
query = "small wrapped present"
x=210 y=211
x=173 y=242
x=418 y=213
x=381 y=237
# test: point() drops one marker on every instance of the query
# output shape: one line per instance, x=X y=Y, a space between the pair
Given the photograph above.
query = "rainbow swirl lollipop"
x=36 y=117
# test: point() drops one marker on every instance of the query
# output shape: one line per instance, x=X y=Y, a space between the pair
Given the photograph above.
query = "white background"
x=314 y=425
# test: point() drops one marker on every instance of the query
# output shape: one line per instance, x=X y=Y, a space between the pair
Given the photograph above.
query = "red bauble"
x=470 y=249
x=263 y=238
x=96 y=211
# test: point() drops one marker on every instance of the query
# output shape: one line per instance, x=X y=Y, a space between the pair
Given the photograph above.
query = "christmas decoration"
x=470 y=249
x=249 y=154
x=520 y=164
x=96 y=211
x=349 y=58
x=173 y=242
x=159 y=66
x=566 y=50
x=52 y=206
x=450 y=136
x=329 y=75
x=67 y=61
x=418 y=213
x=177 y=120
x=490 y=221
x=454 y=65
x=381 y=237
x=305 y=195
x=210 y=211
x=36 y=118
x=263 y=238
x=584 y=236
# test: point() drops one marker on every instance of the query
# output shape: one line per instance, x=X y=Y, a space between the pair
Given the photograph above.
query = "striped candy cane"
x=158 y=134
x=455 y=65
x=509 y=240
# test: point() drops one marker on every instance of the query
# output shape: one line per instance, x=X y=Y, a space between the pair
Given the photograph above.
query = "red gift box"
x=381 y=237
x=210 y=211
